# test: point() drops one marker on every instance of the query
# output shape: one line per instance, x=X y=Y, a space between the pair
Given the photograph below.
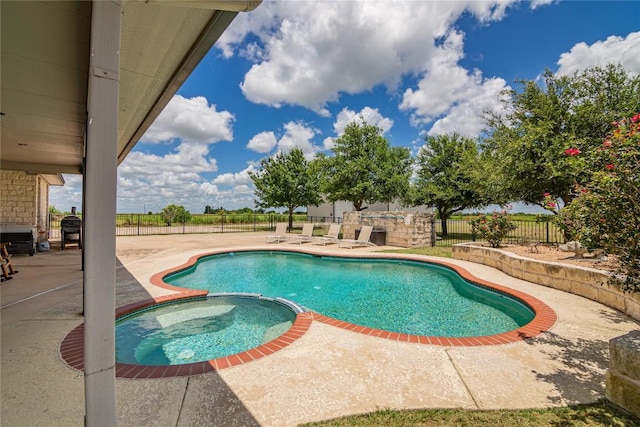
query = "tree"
x=528 y=146
x=606 y=211
x=286 y=181
x=364 y=168
x=173 y=213
x=447 y=176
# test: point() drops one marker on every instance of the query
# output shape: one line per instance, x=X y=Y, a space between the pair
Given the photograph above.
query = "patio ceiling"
x=44 y=72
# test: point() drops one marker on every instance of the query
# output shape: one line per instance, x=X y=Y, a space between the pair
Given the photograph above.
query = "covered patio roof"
x=45 y=72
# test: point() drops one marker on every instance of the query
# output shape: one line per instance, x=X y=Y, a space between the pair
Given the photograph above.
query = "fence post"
x=254 y=223
x=547 y=224
x=138 y=224
x=222 y=224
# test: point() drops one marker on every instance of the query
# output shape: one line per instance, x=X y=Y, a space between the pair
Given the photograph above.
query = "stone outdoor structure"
x=400 y=228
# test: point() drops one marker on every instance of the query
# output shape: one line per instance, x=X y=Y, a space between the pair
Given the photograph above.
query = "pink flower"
x=551 y=204
x=602 y=220
x=546 y=194
x=635 y=118
x=609 y=166
x=607 y=143
x=572 y=151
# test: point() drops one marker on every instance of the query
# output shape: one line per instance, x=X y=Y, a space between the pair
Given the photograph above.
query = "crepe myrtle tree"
x=364 y=167
x=286 y=181
x=605 y=212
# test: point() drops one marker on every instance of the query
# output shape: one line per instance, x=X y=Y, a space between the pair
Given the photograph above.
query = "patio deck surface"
x=326 y=373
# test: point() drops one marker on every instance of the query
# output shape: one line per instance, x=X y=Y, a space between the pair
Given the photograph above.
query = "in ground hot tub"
x=200 y=330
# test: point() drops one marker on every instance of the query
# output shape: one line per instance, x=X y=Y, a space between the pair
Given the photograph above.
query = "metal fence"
x=150 y=224
x=458 y=230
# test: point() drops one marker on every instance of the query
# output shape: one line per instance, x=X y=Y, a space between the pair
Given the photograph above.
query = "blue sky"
x=294 y=73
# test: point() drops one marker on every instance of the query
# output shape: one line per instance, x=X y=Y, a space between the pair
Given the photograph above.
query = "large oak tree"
x=286 y=181
x=447 y=176
x=364 y=167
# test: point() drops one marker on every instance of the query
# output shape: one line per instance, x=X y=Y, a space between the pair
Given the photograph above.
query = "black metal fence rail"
x=458 y=230
x=153 y=224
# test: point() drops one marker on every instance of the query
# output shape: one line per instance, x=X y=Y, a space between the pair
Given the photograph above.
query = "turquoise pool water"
x=398 y=296
x=196 y=331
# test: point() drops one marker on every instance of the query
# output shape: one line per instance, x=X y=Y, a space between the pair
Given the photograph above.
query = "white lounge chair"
x=330 y=237
x=362 y=240
x=279 y=235
x=305 y=236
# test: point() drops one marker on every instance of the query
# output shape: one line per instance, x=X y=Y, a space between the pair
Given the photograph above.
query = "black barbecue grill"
x=71 y=231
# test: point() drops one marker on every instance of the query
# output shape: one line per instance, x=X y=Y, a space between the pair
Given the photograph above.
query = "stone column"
x=623 y=376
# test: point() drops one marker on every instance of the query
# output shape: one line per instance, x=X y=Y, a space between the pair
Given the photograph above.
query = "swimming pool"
x=393 y=295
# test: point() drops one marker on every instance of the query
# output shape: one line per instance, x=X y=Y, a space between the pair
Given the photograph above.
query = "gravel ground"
x=551 y=253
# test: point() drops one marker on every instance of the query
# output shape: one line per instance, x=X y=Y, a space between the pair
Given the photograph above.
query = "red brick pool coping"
x=72 y=347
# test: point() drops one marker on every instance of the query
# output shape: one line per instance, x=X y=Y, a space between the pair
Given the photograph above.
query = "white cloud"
x=623 y=50
x=539 y=3
x=450 y=95
x=234 y=179
x=371 y=115
x=151 y=181
x=310 y=52
x=263 y=142
x=298 y=135
x=67 y=196
x=190 y=120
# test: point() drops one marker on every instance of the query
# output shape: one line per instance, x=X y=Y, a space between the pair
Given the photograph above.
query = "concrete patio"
x=327 y=373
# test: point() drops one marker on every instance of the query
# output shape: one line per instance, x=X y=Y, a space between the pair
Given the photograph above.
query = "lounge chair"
x=305 y=236
x=330 y=237
x=279 y=235
x=362 y=240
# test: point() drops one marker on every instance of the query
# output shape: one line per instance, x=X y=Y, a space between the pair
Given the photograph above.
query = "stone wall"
x=18 y=198
x=24 y=200
x=623 y=376
x=587 y=282
x=403 y=229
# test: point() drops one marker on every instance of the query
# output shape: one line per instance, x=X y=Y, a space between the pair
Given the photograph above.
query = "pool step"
x=169 y=319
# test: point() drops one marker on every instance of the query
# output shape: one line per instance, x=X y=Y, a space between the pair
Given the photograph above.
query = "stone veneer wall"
x=24 y=200
x=18 y=198
x=403 y=229
x=587 y=282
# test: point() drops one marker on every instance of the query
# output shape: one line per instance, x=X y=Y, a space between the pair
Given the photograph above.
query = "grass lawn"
x=601 y=413
x=443 y=251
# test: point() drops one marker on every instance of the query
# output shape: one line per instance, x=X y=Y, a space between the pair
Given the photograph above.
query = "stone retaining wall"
x=403 y=229
x=587 y=282
x=623 y=376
